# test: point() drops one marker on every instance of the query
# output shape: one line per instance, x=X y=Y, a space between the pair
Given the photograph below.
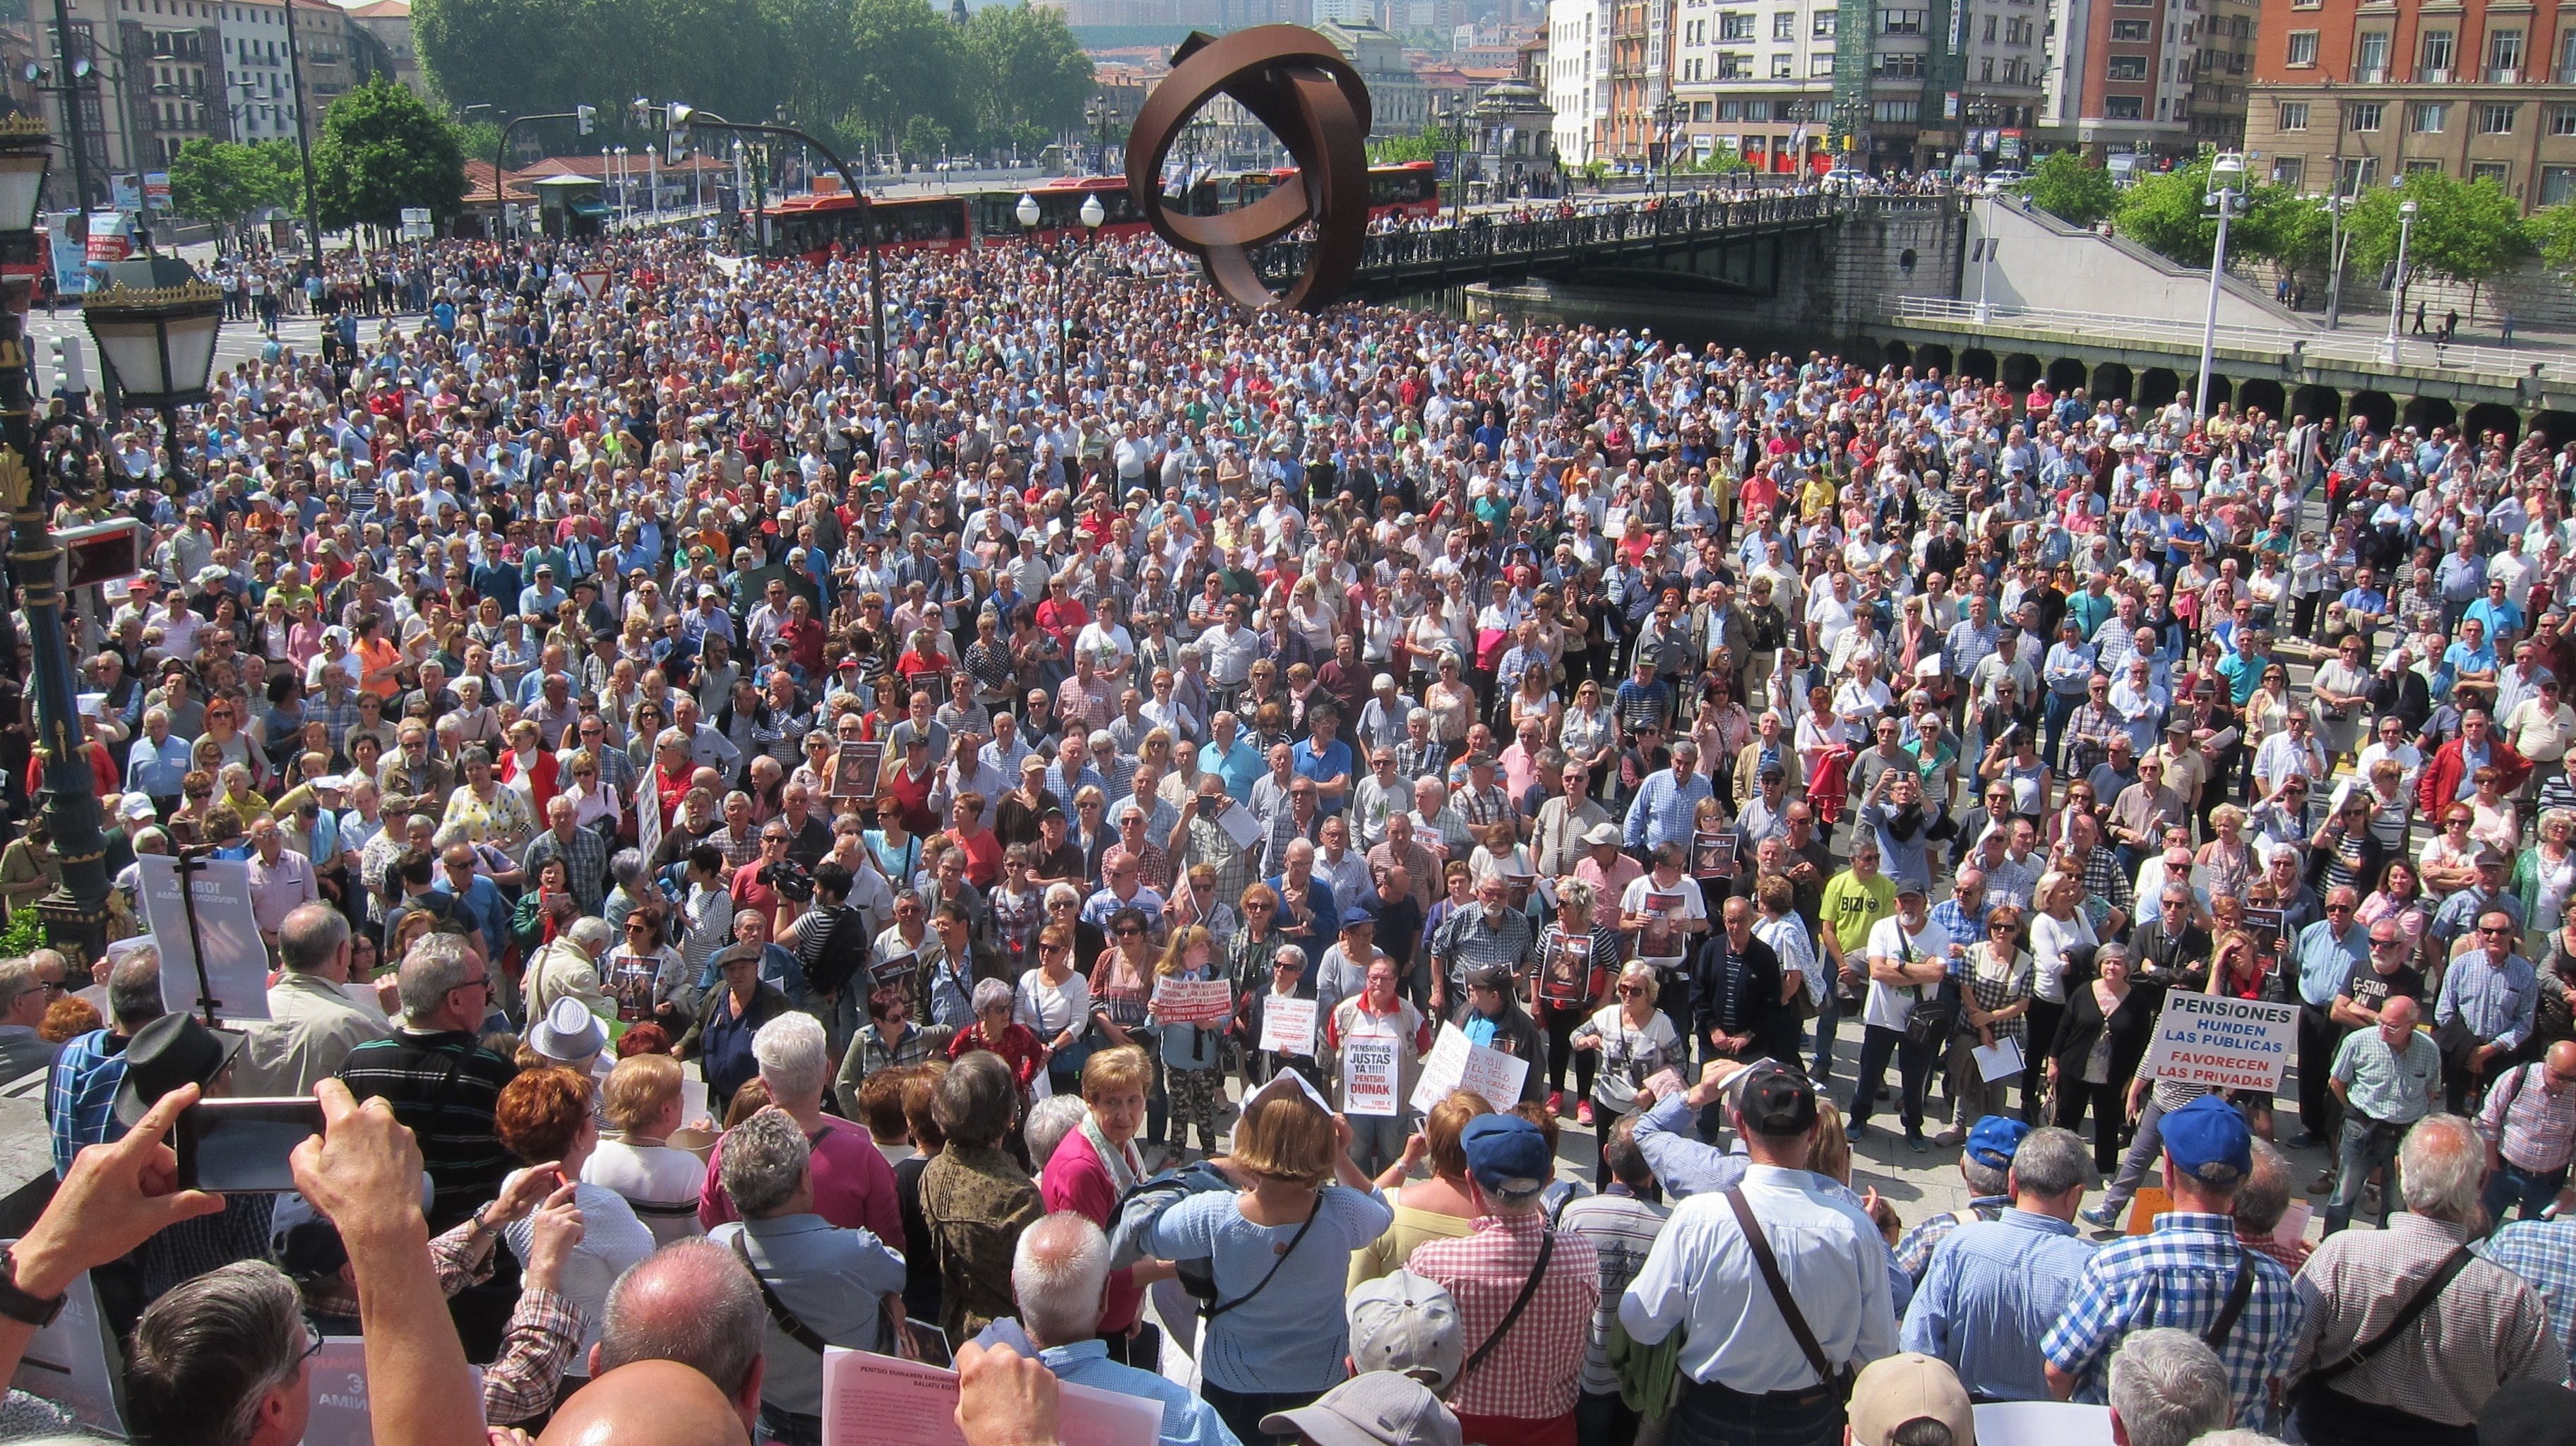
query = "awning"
x=586 y=206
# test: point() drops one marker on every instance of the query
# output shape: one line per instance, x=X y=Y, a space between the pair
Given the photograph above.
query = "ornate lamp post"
x=146 y=309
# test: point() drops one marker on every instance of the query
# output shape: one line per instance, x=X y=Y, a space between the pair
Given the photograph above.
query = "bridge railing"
x=1451 y=246
x=2319 y=345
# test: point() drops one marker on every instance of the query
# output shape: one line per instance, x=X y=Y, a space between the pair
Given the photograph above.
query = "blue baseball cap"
x=1992 y=1141
x=1507 y=1155
x=2208 y=1141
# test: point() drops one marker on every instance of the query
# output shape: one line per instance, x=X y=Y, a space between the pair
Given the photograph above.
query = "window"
x=2434 y=53
x=2122 y=107
x=1896 y=112
x=2562 y=120
x=1784 y=26
x=2303 y=48
x=2133 y=31
x=2427 y=117
x=1824 y=25
x=1733 y=65
x=2504 y=57
x=2557 y=185
x=2294 y=115
x=1784 y=67
x=1758 y=111
x=1730 y=110
x=1700 y=112
x=1992 y=22
x=2362 y=115
x=2496 y=171
x=2127 y=67
x=1900 y=22
x=2370 y=55
x=2358 y=174
x=2567 y=57
x=2421 y=167
x=1735 y=25
x=2288 y=170
x=2495 y=118
x=1820 y=67
x=1898 y=67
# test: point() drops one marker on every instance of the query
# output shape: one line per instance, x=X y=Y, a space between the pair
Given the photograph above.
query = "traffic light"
x=675 y=119
x=586 y=117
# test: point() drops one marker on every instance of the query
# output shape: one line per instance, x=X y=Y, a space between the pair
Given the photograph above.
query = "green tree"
x=382 y=149
x=2553 y=235
x=910 y=64
x=2164 y=214
x=2468 y=231
x=2072 y=189
x=223 y=182
x=1030 y=73
x=2292 y=231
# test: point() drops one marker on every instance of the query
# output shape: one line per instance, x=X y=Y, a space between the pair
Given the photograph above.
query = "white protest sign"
x=874 y=1400
x=2000 y=1060
x=2042 y=1423
x=1454 y=1064
x=1288 y=1026
x=1239 y=824
x=1368 y=1077
x=1193 y=1001
x=2228 y=1044
x=236 y=960
x=70 y=1363
x=340 y=1395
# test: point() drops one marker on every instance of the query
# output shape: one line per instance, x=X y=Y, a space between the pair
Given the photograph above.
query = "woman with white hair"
x=854 y=1187
x=1634 y=1040
x=995 y=1030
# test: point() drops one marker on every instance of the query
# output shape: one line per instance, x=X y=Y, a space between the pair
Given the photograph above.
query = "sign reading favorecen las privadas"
x=2229 y=1044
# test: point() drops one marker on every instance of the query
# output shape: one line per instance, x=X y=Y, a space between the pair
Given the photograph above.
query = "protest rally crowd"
x=1067 y=869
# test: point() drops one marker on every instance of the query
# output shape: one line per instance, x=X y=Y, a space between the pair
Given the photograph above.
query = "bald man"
x=649 y=1403
x=692 y=1302
x=2530 y=1134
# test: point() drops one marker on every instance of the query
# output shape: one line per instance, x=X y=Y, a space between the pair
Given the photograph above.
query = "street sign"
x=416 y=224
x=594 y=283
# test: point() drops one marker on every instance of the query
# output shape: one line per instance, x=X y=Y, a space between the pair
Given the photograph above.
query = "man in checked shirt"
x=1518 y=1384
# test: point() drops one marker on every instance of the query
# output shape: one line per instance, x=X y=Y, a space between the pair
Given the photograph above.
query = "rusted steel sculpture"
x=1293 y=81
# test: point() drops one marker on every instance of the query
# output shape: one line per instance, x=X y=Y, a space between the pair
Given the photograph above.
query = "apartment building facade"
x=2350 y=94
x=2121 y=74
x=1575 y=76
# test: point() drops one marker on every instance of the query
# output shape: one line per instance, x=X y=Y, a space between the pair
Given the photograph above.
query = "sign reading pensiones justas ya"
x=2231 y=1044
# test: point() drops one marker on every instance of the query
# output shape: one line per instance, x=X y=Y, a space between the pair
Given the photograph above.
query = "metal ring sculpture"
x=1295 y=82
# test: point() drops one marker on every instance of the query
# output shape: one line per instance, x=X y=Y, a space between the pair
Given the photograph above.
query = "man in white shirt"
x=1748 y=1372
x=312 y=1021
x=1909 y=956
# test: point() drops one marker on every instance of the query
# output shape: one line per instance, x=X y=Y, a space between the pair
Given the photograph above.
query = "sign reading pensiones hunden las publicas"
x=2228 y=1044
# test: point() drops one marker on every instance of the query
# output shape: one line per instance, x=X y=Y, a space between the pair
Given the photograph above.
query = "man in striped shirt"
x=2529 y=1124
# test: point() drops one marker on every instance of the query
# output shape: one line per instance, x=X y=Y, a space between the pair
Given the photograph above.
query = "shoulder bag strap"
x=2421 y=1301
x=1756 y=1242
x=1538 y=1272
x=779 y=1315
x=1216 y=1309
x=2237 y=1295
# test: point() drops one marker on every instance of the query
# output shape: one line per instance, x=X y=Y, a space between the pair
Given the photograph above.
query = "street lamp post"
x=1100 y=114
x=2337 y=206
x=2397 y=293
x=2226 y=192
x=1668 y=115
x=1092 y=214
x=1986 y=263
x=157 y=305
x=680 y=117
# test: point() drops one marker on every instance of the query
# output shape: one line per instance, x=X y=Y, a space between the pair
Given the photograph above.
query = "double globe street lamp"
x=1029 y=214
x=155 y=325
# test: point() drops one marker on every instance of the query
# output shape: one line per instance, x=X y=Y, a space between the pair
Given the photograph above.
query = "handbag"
x=1932 y=1019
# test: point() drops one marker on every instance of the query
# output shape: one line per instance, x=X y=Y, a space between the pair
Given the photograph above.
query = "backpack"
x=832 y=949
x=1145 y=1202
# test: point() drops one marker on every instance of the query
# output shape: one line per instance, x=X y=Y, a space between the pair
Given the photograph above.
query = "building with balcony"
x=1640 y=76
x=1576 y=72
x=173 y=92
x=2348 y=94
x=1400 y=103
x=2120 y=75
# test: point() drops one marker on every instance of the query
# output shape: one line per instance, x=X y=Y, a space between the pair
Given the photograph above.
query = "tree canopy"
x=2464 y=230
x=382 y=149
x=892 y=74
x=2072 y=189
x=225 y=181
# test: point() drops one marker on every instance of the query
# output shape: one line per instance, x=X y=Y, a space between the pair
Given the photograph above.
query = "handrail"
x=2318 y=345
x=1509 y=241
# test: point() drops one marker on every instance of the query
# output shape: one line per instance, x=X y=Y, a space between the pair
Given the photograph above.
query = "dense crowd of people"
x=762 y=852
